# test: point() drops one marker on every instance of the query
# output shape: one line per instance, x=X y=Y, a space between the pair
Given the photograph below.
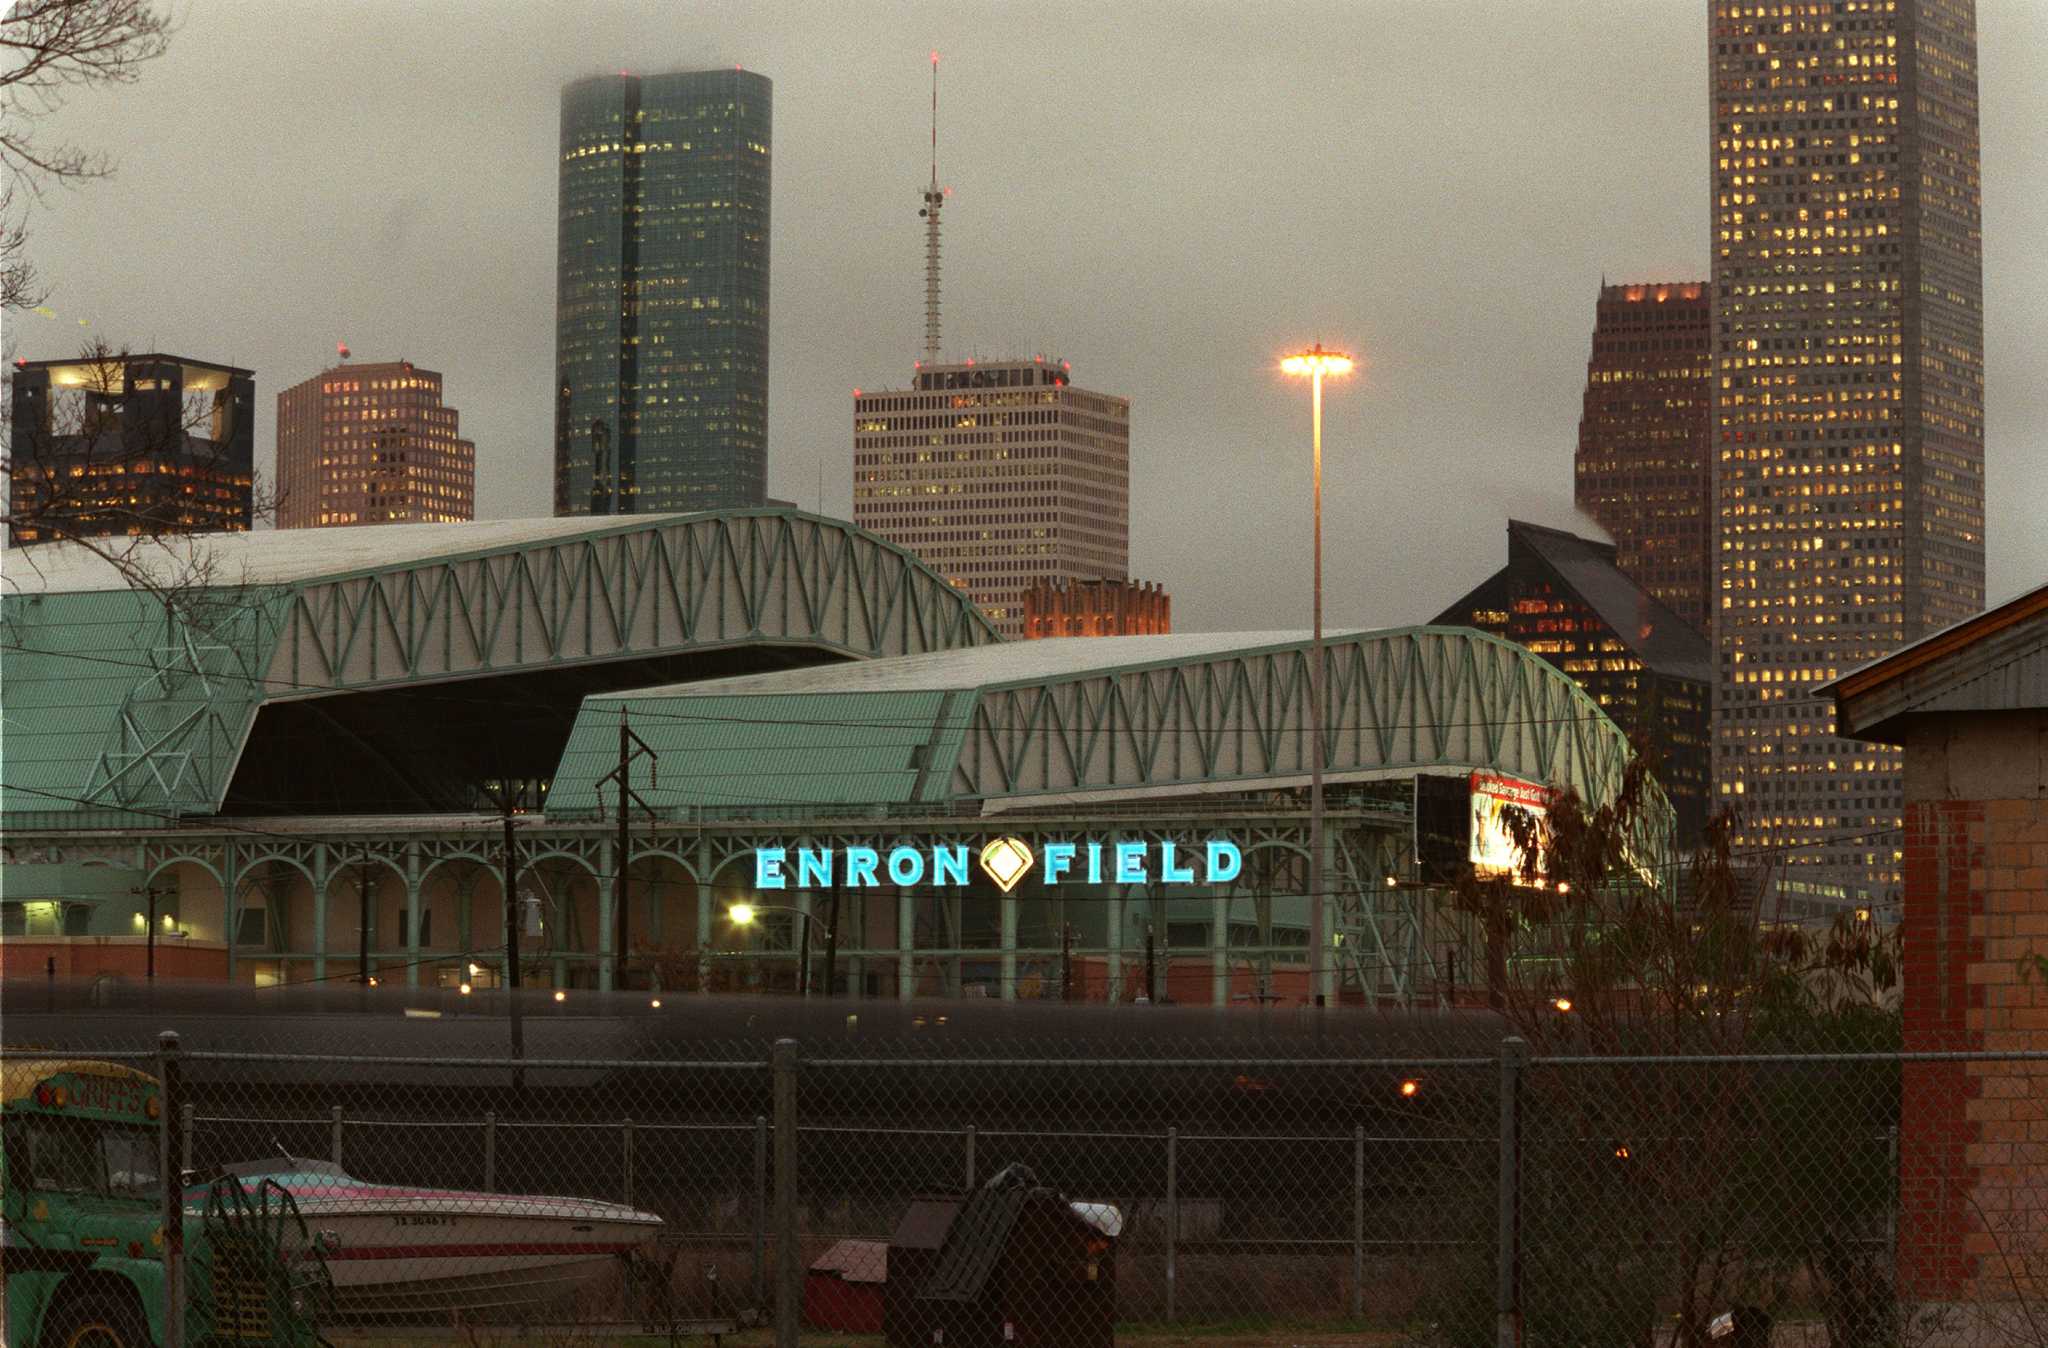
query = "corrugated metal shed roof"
x=1996 y=661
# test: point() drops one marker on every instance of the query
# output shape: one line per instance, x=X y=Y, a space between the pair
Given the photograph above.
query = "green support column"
x=230 y=900
x=323 y=875
x=906 y=945
x=1007 y=905
x=705 y=930
x=412 y=918
x=1219 y=948
x=1113 y=947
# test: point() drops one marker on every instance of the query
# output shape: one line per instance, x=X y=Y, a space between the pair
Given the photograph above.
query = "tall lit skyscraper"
x=371 y=444
x=998 y=475
x=1642 y=460
x=1848 y=419
x=661 y=293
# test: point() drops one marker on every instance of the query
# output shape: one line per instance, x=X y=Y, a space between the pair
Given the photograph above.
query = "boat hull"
x=435 y=1255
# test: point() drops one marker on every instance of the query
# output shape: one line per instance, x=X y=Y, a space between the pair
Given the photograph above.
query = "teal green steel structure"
x=125 y=706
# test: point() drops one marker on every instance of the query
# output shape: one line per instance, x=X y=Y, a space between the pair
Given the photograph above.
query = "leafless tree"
x=48 y=49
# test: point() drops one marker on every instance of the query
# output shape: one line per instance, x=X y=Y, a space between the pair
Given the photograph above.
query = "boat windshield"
x=284 y=1165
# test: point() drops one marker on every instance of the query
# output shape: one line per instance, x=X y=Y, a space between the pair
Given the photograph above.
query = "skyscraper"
x=661 y=293
x=998 y=475
x=143 y=445
x=1642 y=460
x=1567 y=600
x=1848 y=417
x=371 y=444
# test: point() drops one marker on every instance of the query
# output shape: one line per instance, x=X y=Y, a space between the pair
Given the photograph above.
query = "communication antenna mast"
x=933 y=199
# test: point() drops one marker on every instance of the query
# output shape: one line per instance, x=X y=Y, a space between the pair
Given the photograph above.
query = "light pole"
x=743 y=914
x=1316 y=363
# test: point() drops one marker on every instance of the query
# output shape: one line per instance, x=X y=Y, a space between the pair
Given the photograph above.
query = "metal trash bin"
x=913 y=1254
x=1018 y=1263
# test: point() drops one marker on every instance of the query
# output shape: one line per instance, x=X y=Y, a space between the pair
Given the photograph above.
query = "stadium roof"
x=1056 y=721
x=392 y=667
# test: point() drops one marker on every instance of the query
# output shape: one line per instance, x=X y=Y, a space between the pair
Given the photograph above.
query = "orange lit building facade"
x=999 y=476
x=1641 y=467
x=1096 y=608
x=1848 y=410
x=371 y=444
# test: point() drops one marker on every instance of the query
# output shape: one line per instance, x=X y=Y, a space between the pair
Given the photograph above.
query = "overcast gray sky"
x=1166 y=194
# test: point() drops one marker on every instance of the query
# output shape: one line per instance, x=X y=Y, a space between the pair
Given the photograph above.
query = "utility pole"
x=803 y=959
x=631 y=746
x=1066 y=961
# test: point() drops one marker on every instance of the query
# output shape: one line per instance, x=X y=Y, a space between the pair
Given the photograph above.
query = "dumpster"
x=1021 y=1264
x=843 y=1289
x=913 y=1253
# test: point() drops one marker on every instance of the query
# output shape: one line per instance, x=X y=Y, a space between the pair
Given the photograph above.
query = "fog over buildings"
x=1169 y=195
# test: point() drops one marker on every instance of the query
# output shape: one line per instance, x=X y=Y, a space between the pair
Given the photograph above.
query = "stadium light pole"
x=1317 y=363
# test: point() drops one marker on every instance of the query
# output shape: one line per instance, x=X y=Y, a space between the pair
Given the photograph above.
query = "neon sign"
x=1006 y=861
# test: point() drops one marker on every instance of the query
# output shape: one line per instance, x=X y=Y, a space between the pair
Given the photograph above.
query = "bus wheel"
x=98 y=1320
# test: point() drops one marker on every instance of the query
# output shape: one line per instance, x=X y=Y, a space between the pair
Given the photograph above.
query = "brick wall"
x=1973 y=1144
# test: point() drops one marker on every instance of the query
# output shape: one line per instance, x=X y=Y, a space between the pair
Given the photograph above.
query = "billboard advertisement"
x=1495 y=800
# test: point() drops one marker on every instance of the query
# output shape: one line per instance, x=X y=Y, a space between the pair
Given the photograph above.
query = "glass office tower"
x=661 y=293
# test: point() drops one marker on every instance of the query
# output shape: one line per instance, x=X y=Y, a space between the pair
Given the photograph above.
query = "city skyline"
x=1457 y=422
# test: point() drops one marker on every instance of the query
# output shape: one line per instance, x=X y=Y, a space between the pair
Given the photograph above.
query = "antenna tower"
x=933 y=199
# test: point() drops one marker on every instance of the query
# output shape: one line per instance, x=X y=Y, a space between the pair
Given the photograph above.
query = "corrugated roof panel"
x=90 y=681
x=801 y=749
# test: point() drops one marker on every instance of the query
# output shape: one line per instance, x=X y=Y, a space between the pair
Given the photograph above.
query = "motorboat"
x=400 y=1253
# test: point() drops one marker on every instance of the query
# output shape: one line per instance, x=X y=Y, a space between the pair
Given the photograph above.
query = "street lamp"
x=743 y=915
x=1316 y=363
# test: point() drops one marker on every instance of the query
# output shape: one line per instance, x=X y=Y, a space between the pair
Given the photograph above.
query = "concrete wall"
x=1974 y=1136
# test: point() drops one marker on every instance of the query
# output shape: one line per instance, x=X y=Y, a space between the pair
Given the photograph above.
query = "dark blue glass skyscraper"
x=661 y=293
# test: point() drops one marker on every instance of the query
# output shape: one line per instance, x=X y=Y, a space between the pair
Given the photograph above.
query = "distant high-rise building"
x=1566 y=599
x=1083 y=607
x=137 y=445
x=1642 y=460
x=1848 y=417
x=371 y=444
x=998 y=475
x=661 y=293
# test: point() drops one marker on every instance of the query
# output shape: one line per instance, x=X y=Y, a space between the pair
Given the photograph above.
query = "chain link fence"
x=863 y=1194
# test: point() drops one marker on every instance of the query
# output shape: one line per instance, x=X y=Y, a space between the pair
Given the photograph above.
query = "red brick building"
x=1096 y=608
x=1969 y=707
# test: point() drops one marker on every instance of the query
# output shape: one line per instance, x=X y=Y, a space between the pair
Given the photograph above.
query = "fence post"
x=760 y=1207
x=187 y=1126
x=334 y=1138
x=1358 y=1222
x=788 y=1257
x=1172 y=1218
x=173 y=1214
x=626 y=1158
x=1514 y=1053
x=490 y=1151
x=1891 y=1214
x=970 y=1160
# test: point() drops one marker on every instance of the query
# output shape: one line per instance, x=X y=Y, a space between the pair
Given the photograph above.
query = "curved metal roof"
x=118 y=701
x=1095 y=717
